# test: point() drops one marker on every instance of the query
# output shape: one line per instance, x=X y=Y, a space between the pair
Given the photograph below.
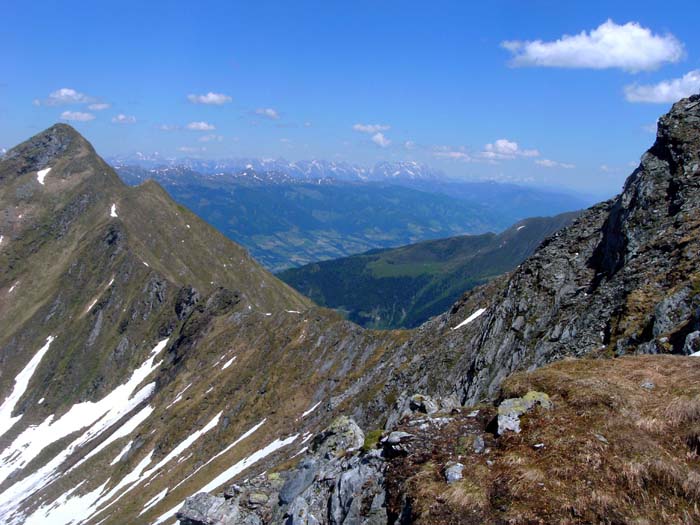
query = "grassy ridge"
x=403 y=287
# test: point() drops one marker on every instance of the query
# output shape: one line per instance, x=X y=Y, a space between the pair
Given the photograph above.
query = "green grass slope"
x=403 y=287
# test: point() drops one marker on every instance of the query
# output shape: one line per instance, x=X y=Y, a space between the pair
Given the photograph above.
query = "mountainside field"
x=405 y=286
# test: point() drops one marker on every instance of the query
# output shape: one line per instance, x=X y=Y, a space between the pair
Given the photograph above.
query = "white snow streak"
x=311 y=410
x=154 y=501
x=178 y=397
x=113 y=211
x=41 y=175
x=243 y=436
x=13 y=287
x=96 y=417
x=21 y=383
x=65 y=510
x=123 y=452
x=470 y=318
x=520 y=228
x=134 y=481
x=228 y=363
x=234 y=470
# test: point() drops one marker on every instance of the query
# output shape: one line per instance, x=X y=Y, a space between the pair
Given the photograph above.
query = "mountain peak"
x=39 y=152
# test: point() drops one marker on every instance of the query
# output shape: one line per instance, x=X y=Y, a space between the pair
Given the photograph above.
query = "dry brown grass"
x=615 y=452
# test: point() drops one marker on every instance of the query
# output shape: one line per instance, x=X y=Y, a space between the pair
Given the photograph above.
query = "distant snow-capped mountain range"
x=305 y=169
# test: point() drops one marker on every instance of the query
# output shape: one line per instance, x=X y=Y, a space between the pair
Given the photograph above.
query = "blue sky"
x=458 y=85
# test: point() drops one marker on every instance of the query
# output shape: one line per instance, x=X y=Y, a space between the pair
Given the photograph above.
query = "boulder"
x=510 y=410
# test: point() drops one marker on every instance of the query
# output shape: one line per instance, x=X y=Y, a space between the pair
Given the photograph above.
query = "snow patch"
x=123 y=453
x=13 y=287
x=65 y=510
x=21 y=383
x=243 y=436
x=311 y=409
x=40 y=401
x=113 y=211
x=228 y=363
x=520 y=228
x=154 y=501
x=470 y=318
x=178 y=397
x=41 y=175
x=96 y=417
x=233 y=471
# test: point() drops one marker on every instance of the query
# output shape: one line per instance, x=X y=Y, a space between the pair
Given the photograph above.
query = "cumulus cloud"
x=216 y=99
x=547 y=163
x=504 y=149
x=77 y=116
x=630 y=47
x=268 y=113
x=64 y=96
x=667 y=91
x=453 y=155
x=201 y=126
x=450 y=153
x=371 y=128
x=380 y=140
x=189 y=149
x=99 y=106
x=210 y=138
x=124 y=119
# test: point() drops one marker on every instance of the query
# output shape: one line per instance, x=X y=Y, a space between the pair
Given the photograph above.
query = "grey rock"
x=342 y=435
x=302 y=477
x=205 y=509
x=510 y=410
x=478 y=444
x=453 y=472
x=692 y=343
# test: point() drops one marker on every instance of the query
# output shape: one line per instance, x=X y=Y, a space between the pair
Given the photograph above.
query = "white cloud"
x=504 y=149
x=267 y=112
x=307 y=124
x=124 y=119
x=547 y=163
x=409 y=145
x=99 y=106
x=216 y=99
x=630 y=47
x=168 y=127
x=380 y=140
x=77 y=116
x=201 y=126
x=188 y=149
x=211 y=138
x=450 y=153
x=667 y=91
x=371 y=128
x=453 y=155
x=286 y=141
x=64 y=96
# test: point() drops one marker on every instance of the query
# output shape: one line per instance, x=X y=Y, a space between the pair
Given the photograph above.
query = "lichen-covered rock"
x=205 y=509
x=510 y=410
x=342 y=435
